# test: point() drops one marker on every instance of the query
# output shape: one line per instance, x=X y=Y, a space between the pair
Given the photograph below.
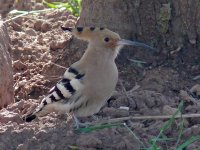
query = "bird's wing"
x=63 y=90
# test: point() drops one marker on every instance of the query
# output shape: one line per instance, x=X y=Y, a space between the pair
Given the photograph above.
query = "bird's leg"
x=95 y=117
x=79 y=124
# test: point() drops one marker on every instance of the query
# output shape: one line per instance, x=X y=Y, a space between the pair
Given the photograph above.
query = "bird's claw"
x=79 y=124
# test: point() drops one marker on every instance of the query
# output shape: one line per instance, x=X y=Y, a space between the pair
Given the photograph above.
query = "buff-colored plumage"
x=89 y=82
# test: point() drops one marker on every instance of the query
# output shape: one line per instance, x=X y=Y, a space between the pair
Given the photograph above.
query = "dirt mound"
x=57 y=132
x=37 y=41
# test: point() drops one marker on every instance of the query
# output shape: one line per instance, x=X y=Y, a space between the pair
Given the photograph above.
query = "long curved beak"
x=134 y=43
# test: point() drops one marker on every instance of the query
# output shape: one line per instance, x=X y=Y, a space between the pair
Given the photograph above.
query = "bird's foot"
x=95 y=117
x=79 y=124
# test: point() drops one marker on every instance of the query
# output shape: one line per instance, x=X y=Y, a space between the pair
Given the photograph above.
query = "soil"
x=38 y=44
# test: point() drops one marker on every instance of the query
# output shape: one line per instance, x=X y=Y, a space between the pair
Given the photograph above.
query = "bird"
x=88 y=83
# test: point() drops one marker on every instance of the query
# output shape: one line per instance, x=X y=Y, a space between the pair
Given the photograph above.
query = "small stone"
x=28 y=48
x=195 y=129
x=186 y=97
x=61 y=44
x=38 y=24
x=196 y=90
x=22 y=83
x=124 y=108
x=54 y=45
x=30 y=32
x=45 y=27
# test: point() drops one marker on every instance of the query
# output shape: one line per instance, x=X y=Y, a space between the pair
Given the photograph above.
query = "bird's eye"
x=106 y=39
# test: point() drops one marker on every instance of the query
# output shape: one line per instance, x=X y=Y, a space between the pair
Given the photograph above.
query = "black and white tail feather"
x=62 y=91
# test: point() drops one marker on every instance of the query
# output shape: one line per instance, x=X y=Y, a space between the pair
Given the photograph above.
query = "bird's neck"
x=97 y=55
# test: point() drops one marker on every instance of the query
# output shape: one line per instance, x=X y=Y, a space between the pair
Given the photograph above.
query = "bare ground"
x=37 y=41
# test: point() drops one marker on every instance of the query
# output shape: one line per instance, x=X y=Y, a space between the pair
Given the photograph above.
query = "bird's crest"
x=91 y=33
x=103 y=37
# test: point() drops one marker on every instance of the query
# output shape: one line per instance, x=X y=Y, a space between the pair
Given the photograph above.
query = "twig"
x=54 y=77
x=58 y=65
x=26 y=13
x=196 y=77
x=144 y=118
x=133 y=89
x=11 y=19
x=57 y=77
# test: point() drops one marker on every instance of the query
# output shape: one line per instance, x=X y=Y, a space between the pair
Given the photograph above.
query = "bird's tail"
x=29 y=117
x=48 y=104
x=34 y=114
x=44 y=108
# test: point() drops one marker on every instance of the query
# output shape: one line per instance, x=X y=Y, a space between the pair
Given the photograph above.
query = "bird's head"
x=102 y=37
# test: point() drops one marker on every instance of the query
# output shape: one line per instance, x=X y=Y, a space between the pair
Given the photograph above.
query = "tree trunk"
x=172 y=26
x=177 y=21
x=6 y=74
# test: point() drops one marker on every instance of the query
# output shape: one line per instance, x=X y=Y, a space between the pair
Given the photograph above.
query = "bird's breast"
x=99 y=84
x=103 y=80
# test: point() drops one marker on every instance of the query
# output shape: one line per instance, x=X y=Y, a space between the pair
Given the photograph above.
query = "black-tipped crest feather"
x=66 y=29
x=79 y=29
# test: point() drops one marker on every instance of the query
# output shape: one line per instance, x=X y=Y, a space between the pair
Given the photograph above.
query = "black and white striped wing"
x=66 y=87
x=63 y=90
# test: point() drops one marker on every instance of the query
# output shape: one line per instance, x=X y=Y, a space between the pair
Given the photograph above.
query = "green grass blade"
x=60 y=4
x=164 y=139
x=180 y=133
x=171 y=120
x=50 y=5
x=72 y=5
x=18 y=14
x=188 y=142
x=79 y=2
x=167 y=124
x=70 y=9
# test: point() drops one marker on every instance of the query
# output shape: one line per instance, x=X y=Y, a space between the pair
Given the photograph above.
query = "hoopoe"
x=88 y=83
